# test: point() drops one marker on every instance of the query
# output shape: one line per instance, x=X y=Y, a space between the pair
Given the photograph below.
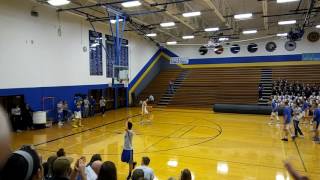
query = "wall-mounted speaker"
x=203 y=50
x=313 y=36
x=290 y=45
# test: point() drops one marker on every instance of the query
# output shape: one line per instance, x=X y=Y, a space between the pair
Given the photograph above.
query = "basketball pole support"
x=118 y=46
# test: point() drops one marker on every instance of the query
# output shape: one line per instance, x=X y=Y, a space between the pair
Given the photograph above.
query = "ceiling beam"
x=265 y=14
x=220 y=15
x=171 y=15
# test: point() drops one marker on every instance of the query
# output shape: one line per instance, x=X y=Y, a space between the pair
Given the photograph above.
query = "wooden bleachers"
x=306 y=74
x=204 y=87
x=159 y=85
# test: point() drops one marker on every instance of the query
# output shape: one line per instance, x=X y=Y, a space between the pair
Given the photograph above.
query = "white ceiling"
x=215 y=13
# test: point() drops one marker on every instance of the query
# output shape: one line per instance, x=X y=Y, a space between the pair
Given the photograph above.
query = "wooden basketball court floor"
x=211 y=145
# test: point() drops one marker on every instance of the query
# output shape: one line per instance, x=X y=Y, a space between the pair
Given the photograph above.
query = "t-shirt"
x=91 y=175
x=60 y=107
x=287 y=113
x=102 y=102
x=86 y=103
x=148 y=172
x=316 y=114
x=16 y=111
x=274 y=105
x=128 y=140
x=296 y=113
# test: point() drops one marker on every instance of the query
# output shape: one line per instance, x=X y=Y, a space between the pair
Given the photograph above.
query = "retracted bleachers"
x=305 y=74
x=204 y=87
x=159 y=85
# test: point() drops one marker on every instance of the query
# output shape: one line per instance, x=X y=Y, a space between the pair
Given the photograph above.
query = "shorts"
x=286 y=122
x=127 y=156
x=317 y=124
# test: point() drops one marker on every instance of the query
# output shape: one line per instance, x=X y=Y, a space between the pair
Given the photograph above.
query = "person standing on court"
x=297 y=114
x=286 y=121
x=316 y=119
x=102 y=104
x=92 y=106
x=16 y=118
x=86 y=106
x=127 y=152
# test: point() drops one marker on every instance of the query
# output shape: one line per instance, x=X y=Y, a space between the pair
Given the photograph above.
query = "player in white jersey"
x=145 y=111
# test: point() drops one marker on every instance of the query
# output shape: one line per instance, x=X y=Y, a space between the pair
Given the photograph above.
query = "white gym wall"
x=34 y=55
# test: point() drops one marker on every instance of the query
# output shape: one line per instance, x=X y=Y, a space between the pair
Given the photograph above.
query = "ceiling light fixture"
x=249 y=31
x=286 y=1
x=58 y=2
x=187 y=37
x=211 y=29
x=151 y=35
x=167 y=24
x=287 y=22
x=113 y=21
x=243 y=16
x=131 y=4
x=318 y=26
x=282 y=34
x=223 y=39
x=171 y=42
x=191 y=14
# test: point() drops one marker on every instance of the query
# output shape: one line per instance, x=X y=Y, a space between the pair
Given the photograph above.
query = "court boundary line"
x=300 y=156
x=219 y=129
x=82 y=131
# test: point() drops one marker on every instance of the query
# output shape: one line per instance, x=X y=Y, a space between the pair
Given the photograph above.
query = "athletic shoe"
x=60 y=124
x=19 y=131
x=284 y=139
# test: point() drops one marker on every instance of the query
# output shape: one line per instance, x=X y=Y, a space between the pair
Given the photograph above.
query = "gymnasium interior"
x=196 y=79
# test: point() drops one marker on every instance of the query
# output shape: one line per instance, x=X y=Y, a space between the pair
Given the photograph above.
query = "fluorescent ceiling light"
x=211 y=29
x=58 y=2
x=167 y=24
x=287 y=22
x=243 y=16
x=282 y=34
x=171 y=42
x=223 y=39
x=131 y=4
x=151 y=34
x=318 y=26
x=286 y=1
x=113 y=21
x=190 y=14
x=187 y=37
x=249 y=31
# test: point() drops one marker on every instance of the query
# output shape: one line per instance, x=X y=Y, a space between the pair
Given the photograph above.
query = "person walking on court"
x=102 y=104
x=275 y=108
x=297 y=114
x=60 y=111
x=316 y=120
x=16 y=118
x=92 y=106
x=86 y=106
x=127 y=152
x=286 y=121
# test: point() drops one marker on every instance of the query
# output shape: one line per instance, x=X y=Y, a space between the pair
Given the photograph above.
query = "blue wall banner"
x=95 y=51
